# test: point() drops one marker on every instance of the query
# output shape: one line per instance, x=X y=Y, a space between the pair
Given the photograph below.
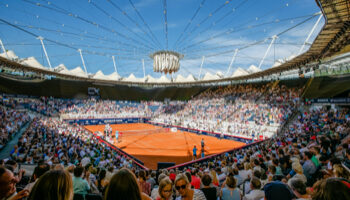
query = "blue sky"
x=102 y=28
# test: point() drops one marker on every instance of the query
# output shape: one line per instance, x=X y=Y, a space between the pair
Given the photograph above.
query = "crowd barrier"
x=106 y=121
x=201 y=132
x=205 y=159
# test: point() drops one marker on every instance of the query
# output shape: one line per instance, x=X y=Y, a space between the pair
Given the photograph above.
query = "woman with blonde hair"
x=53 y=185
x=340 y=172
x=165 y=189
x=186 y=193
x=214 y=177
x=230 y=191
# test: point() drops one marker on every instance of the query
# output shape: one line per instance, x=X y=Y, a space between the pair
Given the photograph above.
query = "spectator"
x=145 y=186
x=256 y=193
x=123 y=186
x=195 y=181
x=102 y=182
x=53 y=185
x=81 y=185
x=309 y=167
x=165 y=189
x=331 y=188
x=182 y=185
x=151 y=179
x=8 y=186
x=38 y=172
x=230 y=191
x=299 y=188
x=155 y=193
x=209 y=192
x=277 y=190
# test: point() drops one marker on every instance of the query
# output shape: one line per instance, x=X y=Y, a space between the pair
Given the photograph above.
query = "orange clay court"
x=165 y=146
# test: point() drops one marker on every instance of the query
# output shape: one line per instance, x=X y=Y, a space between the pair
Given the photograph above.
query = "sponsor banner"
x=218 y=135
x=104 y=121
x=328 y=100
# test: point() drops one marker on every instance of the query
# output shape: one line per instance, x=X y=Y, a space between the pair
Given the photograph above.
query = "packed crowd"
x=241 y=110
x=310 y=160
x=11 y=122
x=92 y=108
x=56 y=142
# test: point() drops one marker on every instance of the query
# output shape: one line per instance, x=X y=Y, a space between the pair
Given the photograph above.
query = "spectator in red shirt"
x=196 y=181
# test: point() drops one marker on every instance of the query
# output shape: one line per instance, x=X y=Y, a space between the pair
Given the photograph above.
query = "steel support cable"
x=211 y=14
x=249 y=21
x=36 y=36
x=234 y=46
x=87 y=34
x=165 y=23
x=189 y=22
x=234 y=30
x=107 y=41
x=132 y=20
x=87 y=21
x=233 y=11
x=120 y=23
x=145 y=23
x=261 y=41
x=59 y=43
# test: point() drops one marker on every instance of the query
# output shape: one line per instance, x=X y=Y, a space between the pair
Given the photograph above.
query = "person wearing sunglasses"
x=165 y=189
x=183 y=187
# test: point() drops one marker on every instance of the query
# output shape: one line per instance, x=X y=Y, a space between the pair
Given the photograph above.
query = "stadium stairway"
x=6 y=150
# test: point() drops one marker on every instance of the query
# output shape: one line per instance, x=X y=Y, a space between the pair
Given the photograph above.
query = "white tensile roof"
x=240 y=72
x=253 y=69
x=32 y=62
x=132 y=78
x=78 y=71
x=219 y=74
x=113 y=76
x=190 y=78
x=278 y=63
x=209 y=76
x=179 y=78
x=11 y=55
x=99 y=75
x=150 y=79
x=60 y=68
x=163 y=79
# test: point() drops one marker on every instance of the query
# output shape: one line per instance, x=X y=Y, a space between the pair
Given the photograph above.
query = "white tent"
x=11 y=55
x=209 y=76
x=113 y=76
x=99 y=75
x=32 y=62
x=240 y=72
x=78 y=71
x=150 y=79
x=253 y=69
x=163 y=79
